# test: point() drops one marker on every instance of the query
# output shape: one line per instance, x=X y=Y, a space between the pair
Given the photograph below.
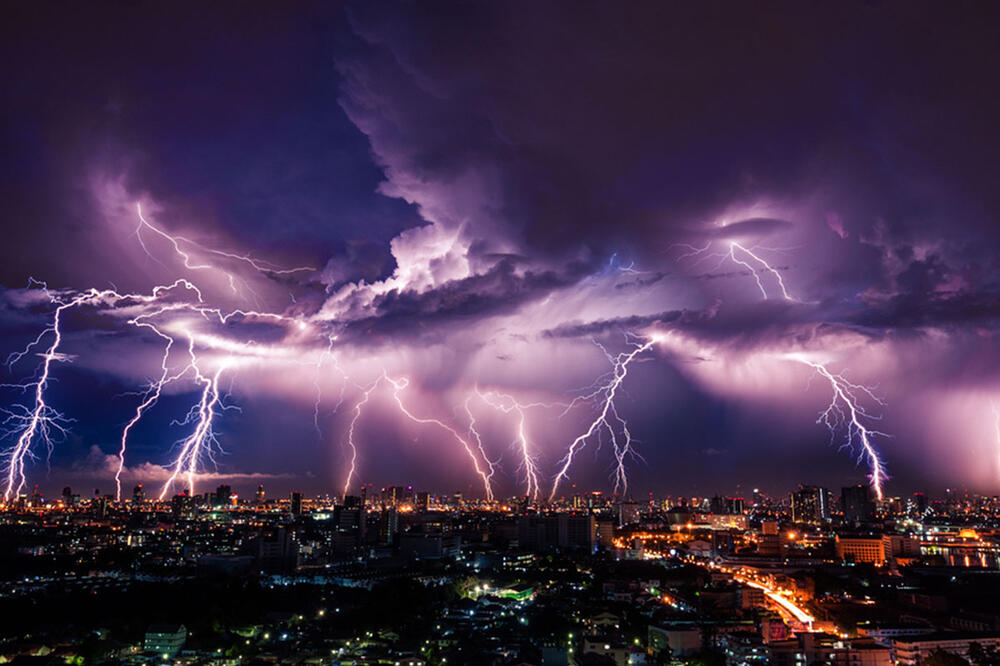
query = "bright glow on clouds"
x=578 y=256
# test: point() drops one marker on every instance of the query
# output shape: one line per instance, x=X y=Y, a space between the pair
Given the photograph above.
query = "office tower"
x=183 y=506
x=856 y=503
x=350 y=520
x=423 y=501
x=138 y=495
x=628 y=513
x=277 y=550
x=259 y=497
x=222 y=495
x=296 y=504
x=393 y=496
x=388 y=525
x=811 y=504
x=770 y=541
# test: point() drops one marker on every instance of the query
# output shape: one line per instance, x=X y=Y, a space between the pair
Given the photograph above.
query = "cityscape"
x=398 y=575
x=499 y=333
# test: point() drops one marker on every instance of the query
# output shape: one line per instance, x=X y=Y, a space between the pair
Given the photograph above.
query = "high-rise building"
x=388 y=525
x=277 y=550
x=811 y=504
x=562 y=530
x=67 y=496
x=770 y=541
x=856 y=503
x=351 y=520
x=259 y=497
x=393 y=496
x=138 y=495
x=628 y=513
x=296 y=504
x=183 y=506
x=99 y=505
x=423 y=501
x=222 y=495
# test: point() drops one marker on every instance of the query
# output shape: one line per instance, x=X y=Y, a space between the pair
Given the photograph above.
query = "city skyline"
x=319 y=248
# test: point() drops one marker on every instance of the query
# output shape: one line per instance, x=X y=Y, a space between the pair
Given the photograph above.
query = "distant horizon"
x=247 y=491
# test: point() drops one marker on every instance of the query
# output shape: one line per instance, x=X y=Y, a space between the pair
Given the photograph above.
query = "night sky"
x=490 y=202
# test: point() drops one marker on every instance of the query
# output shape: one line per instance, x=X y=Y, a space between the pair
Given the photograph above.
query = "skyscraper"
x=351 y=521
x=811 y=504
x=222 y=495
x=296 y=504
x=856 y=502
x=388 y=525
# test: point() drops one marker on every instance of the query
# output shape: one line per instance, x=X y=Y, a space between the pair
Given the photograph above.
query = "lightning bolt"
x=178 y=243
x=150 y=398
x=484 y=470
x=607 y=419
x=846 y=410
x=733 y=246
x=327 y=355
x=508 y=404
x=734 y=253
x=198 y=444
x=40 y=422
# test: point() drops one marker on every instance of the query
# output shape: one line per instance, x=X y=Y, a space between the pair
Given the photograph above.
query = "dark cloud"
x=607 y=128
x=448 y=165
x=408 y=315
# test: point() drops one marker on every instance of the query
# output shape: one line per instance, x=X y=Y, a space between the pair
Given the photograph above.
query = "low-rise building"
x=911 y=650
x=165 y=639
x=868 y=550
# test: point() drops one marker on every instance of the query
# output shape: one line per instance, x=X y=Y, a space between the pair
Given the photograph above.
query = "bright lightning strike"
x=38 y=422
x=607 y=420
x=733 y=246
x=485 y=469
x=528 y=466
x=178 y=243
x=198 y=445
x=846 y=410
x=740 y=255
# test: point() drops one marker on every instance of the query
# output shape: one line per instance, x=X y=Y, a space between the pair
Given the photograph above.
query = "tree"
x=941 y=658
x=983 y=656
